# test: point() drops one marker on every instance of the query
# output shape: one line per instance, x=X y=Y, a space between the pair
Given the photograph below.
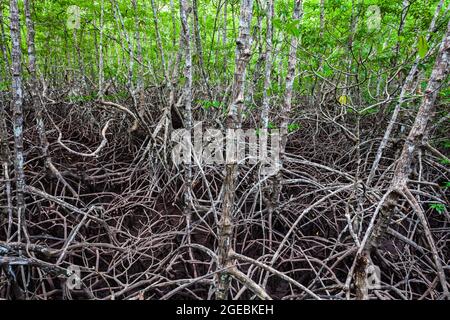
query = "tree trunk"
x=33 y=79
x=243 y=46
x=100 y=53
x=406 y=88
x=224 y=36
x=268 y=67
x=3 y=45
x=186 y=34
x=5 y=160
x=140 y=79
x=404 y=164
x=17 y=105
x=287 y=102
x=198 y=45
x=322 y=18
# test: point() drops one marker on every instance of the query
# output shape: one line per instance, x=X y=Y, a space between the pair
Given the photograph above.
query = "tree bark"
x=5 y=160
x=224 y=36
x=243 y=46
x=198 y=45
x=287 y=101
x=3 y=45
x=186 y=34
x=100 y=52
x=17 y=106
x=140 y=77
x=406 y=88
x=33 y=79
x=404 y=163
x=268 y=66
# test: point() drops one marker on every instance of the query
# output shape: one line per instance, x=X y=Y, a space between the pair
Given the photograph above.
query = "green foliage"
x=438 y=207
x=446 y=143
x=82 y=98
x=327 y=71
x=326 y=53
x=117 y=96
x=422 y=46
x=4 y=85
x=207 y=104
x=293 y=28
x=445 y=94
x=292 y=127
x=343 y=100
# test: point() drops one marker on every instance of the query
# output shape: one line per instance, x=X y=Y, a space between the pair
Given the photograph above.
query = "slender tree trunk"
x=265 y=102
x=316 y=97
x=406 y=88
x=5 y=160
x=3 y=45
x=276 y=186
x=77 y=41
x=212 y=47
x=168 y=107
x=353 y=24
x=198 y=45
x=287 y=102
x=225 y=244
x=404 y=164
x=224 y=36
x=174 y=24
x=268 y=66
x=257 y=71
x=137 y=35
x=188 y=115
x=33 y=78
x=17 y=106
x=140 y=100
x=36 y=103
x=405 y=6
x=159 y=43
x=322 y=18
x=100 y=52
x=290 y=77
x=119 y=19
x=130 y=81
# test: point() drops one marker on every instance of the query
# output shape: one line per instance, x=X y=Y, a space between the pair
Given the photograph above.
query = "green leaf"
x=343 y=100
x=277 y=23
x=422 y=46
x=438 y=207
x=293 y=127
x=423 y=85
x=4 y=85
x=293 y=28
x=206 y=104
x=327 y=71
x=446 y=144
x=271 y=125
x=445 y=93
